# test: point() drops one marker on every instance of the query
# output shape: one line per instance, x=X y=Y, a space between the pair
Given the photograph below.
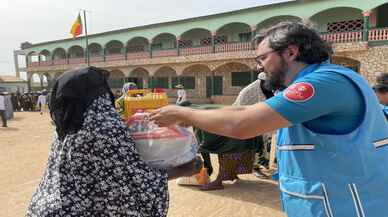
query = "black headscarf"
x=72 y=93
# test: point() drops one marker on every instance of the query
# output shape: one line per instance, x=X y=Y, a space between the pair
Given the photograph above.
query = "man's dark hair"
x=382 y=78
x=381 y=88
x=312 y=48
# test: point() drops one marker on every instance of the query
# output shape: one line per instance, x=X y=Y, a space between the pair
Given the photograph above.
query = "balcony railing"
x=77 y=60
x=60 y=62
x=165 y=53
x=138 y=55
x=380 y=34
x=114 y=57
x=231 y=47
x=33 y=64
x=45 y=63
x=96 y=59
x=342 y=37
x=187 y=51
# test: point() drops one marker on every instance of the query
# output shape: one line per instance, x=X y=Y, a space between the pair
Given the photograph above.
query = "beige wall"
x=373 y=60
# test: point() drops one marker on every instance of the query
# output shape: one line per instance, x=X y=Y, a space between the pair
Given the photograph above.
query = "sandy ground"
x=24 y=148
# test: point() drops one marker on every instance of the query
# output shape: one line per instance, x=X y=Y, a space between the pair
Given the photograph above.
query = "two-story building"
x=12 y=84
x=212 y=55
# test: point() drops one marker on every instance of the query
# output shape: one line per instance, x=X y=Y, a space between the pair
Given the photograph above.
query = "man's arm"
x=236 y=122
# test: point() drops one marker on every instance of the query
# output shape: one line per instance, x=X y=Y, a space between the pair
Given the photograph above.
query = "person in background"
x=118 y=93
x=28 y=104
x=382 y=94
x=181 y=94
x=261 y=164
x=31 y=101
x=18 y=101
x=124 y=92
x=382 y=78
x=10 y=106
x=235 y=157
x=42 y=101
x=2 y=110
x=23 y=102
x=34 y=98
x=15 y=103
x=48 y=98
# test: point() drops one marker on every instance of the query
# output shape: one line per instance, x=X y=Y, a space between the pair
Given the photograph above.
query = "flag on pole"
x=76 y=28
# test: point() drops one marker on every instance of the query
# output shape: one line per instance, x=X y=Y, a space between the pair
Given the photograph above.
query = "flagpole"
x=86 y=39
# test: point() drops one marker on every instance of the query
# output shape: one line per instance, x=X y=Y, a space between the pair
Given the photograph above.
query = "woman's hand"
x=168 y=115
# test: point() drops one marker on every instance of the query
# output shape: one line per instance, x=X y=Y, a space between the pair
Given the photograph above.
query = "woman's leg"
x=188 y=169
x=207 y=162
x=217 y=183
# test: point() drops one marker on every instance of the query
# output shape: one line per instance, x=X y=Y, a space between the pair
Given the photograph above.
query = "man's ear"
x=292 y=52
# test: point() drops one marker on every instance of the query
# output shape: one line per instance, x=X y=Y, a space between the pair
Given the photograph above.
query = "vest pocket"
x=370 y=198
x=304 y=199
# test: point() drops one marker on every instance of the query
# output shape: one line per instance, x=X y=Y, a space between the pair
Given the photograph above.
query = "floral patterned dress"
x=98 y=172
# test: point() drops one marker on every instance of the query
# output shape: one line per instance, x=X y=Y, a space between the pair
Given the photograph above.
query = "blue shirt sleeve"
x=336 y=102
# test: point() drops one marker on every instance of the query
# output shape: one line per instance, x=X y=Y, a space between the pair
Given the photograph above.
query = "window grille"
x=345 y=26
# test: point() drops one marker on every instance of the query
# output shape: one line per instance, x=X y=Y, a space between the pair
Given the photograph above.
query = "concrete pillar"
x=150 y=49
x=151 y=82
x=365 y=32
x=41 y=81
x=213 y=42
x=29 y=78
x=253 y=34
x=16 y=62
x=27 y=59
x=177 y=46
x=212 y=84
x=126 y=52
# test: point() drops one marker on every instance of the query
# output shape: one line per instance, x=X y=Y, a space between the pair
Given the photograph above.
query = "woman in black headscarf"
x=93 y=167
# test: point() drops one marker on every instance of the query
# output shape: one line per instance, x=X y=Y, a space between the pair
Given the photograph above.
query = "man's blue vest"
x=385 y=111
x=323 y=175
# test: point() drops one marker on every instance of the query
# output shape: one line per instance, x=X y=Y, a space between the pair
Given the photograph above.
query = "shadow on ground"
x=263 y=192
x=9 y=129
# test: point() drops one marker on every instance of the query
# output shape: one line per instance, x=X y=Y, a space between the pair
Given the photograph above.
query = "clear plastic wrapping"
x=162 y=147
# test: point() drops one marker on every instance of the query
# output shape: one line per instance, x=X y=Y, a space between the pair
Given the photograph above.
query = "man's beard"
x=275 y=80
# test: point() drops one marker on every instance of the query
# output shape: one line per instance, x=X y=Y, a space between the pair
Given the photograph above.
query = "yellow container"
x=143 y=100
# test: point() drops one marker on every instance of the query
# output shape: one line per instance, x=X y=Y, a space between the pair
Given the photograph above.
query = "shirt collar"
x=306 y=70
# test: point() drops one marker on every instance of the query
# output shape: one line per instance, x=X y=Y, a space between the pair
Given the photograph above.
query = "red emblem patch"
x=299 y=92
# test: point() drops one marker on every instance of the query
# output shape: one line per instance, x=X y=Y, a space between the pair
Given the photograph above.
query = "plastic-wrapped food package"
x=162 y=147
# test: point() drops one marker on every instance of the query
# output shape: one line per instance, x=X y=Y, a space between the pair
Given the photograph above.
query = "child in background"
x=382 y=94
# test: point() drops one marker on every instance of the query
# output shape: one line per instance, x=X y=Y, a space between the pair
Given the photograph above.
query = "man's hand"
x=237 y=122
x=168 y=115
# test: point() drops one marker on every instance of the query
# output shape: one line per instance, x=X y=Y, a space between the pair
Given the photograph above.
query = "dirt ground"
x=24 y=148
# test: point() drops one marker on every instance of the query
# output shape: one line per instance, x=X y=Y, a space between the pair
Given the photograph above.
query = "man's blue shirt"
x=336 y=107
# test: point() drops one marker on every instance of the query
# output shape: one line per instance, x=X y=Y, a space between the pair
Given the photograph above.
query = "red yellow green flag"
x=76 y=28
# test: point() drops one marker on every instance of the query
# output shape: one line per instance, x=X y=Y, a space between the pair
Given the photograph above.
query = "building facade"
x=212 y=56
x=12 y=84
